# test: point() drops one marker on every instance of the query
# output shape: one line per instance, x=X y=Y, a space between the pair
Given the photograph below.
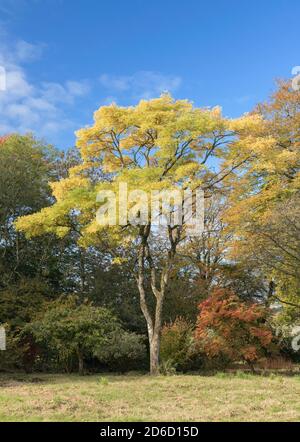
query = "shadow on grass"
x=105 y=378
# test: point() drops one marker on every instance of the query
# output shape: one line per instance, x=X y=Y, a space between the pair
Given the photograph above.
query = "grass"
x=133 y=397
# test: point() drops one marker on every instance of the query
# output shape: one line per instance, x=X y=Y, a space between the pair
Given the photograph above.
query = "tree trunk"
x=154 y=325
x=80 y=363
x=154 y=321
x=154 y=355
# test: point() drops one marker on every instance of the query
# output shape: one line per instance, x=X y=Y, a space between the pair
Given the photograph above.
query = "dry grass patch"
x=142 y=398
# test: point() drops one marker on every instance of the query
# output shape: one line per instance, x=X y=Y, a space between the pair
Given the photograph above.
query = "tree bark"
x=154 y=355
x=80 y=363
x=153 y=319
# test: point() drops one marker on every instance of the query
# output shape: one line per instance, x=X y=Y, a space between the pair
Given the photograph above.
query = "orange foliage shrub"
x=229 y=327
x=3 y=138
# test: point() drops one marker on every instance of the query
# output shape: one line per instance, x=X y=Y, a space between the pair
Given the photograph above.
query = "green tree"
x=82 y=331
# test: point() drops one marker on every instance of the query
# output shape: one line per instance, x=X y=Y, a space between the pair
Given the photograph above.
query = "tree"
x=74 y=330
x=277 y=252
x=27 y=165
x=34 y=270
x=264 y=200
x=233 y=328
x=25 y=169
x=29 y=269
x=206 y=253
x=159 y=144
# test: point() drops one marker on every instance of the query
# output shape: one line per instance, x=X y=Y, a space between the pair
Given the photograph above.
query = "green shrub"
x=12 y=357
x=123 y=351
x=177 y=348
x=72 y=332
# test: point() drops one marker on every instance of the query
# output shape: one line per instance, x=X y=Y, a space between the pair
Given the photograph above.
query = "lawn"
x=223 y=397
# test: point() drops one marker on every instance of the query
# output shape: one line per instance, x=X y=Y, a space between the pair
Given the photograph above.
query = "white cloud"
x=12 y=8
x=142 y=84
x=45 y=108
x=115 y=83
x=78 y=88
x=17 y=85
x=25 y=106
x=25 y=51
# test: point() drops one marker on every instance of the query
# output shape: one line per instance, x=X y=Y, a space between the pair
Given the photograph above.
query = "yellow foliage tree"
x=265 y=194
x=158 y=144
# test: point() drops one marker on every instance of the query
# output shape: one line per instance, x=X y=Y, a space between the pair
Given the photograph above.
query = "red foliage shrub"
x=229 y=327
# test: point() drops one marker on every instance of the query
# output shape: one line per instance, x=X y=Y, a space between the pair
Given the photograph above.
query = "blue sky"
x=65 y=58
